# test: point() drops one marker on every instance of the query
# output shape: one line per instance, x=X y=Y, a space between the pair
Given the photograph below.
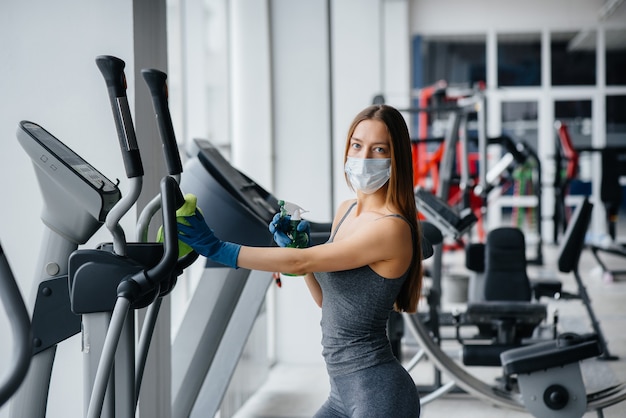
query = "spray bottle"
x=298 y=239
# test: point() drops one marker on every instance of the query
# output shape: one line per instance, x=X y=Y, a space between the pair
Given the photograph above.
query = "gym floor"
x=298 y=391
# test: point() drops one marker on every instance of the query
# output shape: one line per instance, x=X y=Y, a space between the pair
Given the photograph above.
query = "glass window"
x=615 y=57
x=519 y=121
x=457 y=59
x=198 y=69
x=519 y=59
x=616 y=121
x=573 y=58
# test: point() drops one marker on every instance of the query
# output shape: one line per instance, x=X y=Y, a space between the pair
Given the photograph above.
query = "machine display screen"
x=69 y=157
x=240 y=186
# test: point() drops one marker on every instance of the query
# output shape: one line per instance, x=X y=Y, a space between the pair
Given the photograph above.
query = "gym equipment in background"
x=544 y=361
x=613 y=161
x=427 y=332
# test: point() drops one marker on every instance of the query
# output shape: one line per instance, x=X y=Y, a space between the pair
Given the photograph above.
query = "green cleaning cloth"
x=187 y=209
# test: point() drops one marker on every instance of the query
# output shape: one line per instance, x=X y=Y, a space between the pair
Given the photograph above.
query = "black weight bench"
x=567 y=262
x=505 y=324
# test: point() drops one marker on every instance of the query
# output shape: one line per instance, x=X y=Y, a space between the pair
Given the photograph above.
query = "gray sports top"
x=355 y=308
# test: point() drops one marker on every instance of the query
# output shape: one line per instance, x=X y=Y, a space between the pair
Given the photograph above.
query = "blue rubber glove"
x=201 y=238
x=278 y=228
x=284 y=236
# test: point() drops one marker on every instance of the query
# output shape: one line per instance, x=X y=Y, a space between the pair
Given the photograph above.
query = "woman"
x=371 y=265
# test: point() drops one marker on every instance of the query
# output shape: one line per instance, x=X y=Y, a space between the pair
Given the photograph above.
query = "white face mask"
x=368 y=174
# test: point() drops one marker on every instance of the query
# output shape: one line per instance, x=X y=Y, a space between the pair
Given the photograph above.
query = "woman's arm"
x=381 y=241
x=314 y=288
x=384 y=241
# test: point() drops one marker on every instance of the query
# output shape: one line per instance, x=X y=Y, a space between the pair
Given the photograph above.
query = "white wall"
x=251 y=116
x=50 y=77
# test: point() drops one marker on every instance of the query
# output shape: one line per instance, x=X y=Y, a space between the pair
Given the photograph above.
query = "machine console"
x=76 y=195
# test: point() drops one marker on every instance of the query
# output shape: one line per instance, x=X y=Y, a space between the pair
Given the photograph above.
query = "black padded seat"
x=506 y=324
x=505 y=266
x=567 y=348
x=517 y=320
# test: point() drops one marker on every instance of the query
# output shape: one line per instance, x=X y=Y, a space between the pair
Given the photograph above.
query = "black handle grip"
x=112 y=69
x=145 y=281
x=171 y=200
x=157 y=83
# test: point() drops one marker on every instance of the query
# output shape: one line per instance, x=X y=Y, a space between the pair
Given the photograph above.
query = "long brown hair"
x=399 y=193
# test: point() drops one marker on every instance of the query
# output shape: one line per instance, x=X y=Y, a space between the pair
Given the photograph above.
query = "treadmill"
x=225 y=305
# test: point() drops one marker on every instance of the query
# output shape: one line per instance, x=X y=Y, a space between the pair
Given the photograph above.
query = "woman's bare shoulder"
x=343 y=207
x=341 y=210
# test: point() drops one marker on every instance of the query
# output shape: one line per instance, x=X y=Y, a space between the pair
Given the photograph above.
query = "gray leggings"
x=382 y=391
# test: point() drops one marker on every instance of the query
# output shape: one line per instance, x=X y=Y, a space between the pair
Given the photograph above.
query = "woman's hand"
x=286 y=236
x=199 y=236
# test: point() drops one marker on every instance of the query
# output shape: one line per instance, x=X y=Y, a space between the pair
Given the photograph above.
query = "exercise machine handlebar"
x=145 y=280
x=112 y=69
x=156 y=81
x=20 y=324
x=157 y=84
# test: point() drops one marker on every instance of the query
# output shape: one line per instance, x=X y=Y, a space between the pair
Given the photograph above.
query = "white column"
x=598 y=137
x=302 y=154
x=546 y=138
x=251 y=90
x=396 y=52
